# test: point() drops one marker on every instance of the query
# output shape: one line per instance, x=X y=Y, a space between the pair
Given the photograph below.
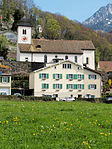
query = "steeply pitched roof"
x=25 y=21
x=61 y=62
x=105 y=66
x=95 y=71
x=86 y=68
x=57 y=46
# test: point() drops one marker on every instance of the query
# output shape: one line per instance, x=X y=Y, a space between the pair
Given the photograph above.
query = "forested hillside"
x=54 y=26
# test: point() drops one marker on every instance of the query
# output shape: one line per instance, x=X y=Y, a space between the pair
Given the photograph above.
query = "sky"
x=79 y=10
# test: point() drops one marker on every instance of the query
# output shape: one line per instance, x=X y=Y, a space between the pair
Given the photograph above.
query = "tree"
x=52 y=29
x=3 y=46
x=17 y=16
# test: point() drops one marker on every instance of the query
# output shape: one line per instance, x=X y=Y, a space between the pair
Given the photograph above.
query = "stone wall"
x=22 y=67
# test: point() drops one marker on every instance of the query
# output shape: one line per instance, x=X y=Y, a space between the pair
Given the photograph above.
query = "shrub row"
x=32 y=98
x=25 y=98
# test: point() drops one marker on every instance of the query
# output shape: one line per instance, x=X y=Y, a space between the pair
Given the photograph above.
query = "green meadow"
x=55 y=125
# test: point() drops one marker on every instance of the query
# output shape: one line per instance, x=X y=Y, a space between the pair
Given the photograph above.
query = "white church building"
x=41 y=50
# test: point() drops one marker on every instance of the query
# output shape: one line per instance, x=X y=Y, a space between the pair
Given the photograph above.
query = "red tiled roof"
x=105 y=66
x=57 y=46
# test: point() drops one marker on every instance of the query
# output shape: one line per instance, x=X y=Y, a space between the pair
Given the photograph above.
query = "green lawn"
x=55 y=125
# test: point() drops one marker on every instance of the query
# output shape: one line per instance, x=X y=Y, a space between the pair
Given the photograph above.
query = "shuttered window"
x=80 y=86
x=80 y=76
x=57 y=76
x=57 y=86
x=43 y=76
x=92 y=86
x=45 y=86
x=70 y=86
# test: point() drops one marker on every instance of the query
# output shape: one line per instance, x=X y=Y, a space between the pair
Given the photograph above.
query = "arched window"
x=24 y=31
x=66 y=57
x=45 y=58
x=87 y=60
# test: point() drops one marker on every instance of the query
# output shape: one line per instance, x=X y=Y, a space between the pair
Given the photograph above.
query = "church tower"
x=24 y=31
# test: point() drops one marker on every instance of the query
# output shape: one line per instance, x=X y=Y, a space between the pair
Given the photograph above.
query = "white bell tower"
x=24 y=31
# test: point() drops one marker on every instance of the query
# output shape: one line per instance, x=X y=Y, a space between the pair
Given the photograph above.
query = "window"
x=26 y=59
x=92 y=76
x=70 y=86
x=57 y=76
x=44 y=76
x=67 y=66
x=66 y=57
x=78 y=68
x=89 y=96
x=70 y=76
x=80 y=86
x=75 y=86
x=24 y=31
x=80 y=76
x=92 y=86
x=87 y=60
x=38 y=46
x=75 y=59
x=4 y=79
x=45 y=58
x=45 y=86
x=57 y=86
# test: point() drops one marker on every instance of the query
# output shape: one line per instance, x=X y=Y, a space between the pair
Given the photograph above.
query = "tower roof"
x=25 y=21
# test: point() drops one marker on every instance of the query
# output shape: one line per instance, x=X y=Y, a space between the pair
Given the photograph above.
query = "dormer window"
x=66 y=57
x=38 y=46
x=24 y=31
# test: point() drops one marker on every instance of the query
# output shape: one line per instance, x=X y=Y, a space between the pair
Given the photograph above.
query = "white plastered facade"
x=36 y=83
x=39 y=57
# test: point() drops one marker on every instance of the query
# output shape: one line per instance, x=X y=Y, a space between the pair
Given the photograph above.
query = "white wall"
x=36 y=82
x=23 y=57
x=21 y=35
x=6 y=86
x=39 y=57
x=90 y=55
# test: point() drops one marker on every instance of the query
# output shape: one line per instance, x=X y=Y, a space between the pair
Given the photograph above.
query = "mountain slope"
x=101 y=20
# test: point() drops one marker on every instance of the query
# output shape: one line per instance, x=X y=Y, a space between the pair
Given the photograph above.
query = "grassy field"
x=55 y=125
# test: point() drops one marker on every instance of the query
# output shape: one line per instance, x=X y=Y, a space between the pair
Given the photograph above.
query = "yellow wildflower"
x=6 y=122
x=83 y=142
x=105 y=134
x=33 y=134
x=70 y=124
x=15 y=119
x=68 y=129
x=108 y=133
x=101 y=133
